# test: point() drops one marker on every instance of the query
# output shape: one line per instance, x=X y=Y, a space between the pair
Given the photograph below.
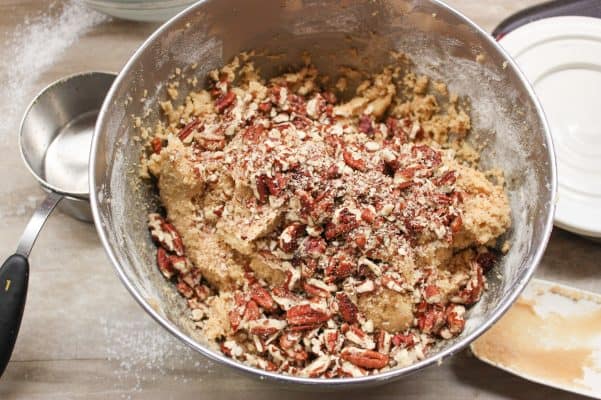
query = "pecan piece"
x=345 y=223
x=333 y=172
x=156 y=144
x=365 y=124
x=253 y=133
x=354 y=161
x=305 y=317
x=431 y=320
x=262 y=297
x=315 y=247
x=185 y=290
x=367 y=359
x=164 y=263
x=455 y=319
x=188 y=129
x=340 y=267
x=235 y=319
x=180 y=263
x=251 y=312
x=486 y=260
x=317 y=367
x=456 y=224
x=288 y=240
x=165 y=234
x=368 y=215
x=224 y=101
x=276 y=185
x=426 y=153
x=266 y=326
x=448 y=178
x=474 y=288
x=347 y=309
x=403 y=340
x=265 y=106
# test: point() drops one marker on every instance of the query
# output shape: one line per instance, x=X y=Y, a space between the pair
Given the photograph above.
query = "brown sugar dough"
x=388 y=310
x=283 y=197
x=485 y=209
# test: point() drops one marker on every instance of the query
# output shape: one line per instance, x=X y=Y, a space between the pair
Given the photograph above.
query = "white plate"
x=561 y=57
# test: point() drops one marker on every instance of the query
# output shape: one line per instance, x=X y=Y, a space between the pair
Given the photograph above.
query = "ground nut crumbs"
x=318 y=237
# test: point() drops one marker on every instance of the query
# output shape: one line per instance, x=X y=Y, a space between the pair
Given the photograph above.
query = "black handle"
x=14 y=277
x=554 y=8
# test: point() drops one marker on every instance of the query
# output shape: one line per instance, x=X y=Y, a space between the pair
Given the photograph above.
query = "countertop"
x=84 y=336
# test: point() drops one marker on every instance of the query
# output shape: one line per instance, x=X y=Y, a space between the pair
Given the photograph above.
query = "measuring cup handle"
x=14 y=278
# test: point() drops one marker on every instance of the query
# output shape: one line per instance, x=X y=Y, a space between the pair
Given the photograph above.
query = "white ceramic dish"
x=561 y=57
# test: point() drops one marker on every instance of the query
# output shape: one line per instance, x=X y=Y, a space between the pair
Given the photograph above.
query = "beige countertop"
x=83 y=335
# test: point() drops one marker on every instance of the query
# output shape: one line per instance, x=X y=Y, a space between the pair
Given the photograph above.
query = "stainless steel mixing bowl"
x=507 y=120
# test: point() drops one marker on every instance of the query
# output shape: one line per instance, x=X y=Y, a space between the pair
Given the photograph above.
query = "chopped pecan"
x=403 y=340
x=340 y=267
x=180 y=263
x=456 y=224
x=184 y=289
x=367 y=359
x=266 y=326
x=267 y=185
x=188 y=129
x=192 y=277
x=486 y=260
x=347 y=309
x=317 y=288
x=165 y=234
x=395 y=128
x=251 y=312
x=345 y=223
x=156 y=144
x=315 y=246
x=427 y=154
x=360 y=338
x=224 y=101
x=474 y=288
x=164 y=263
x=305 y=316
x=354 y=160
x=360 y=241
x=432 y=294
x=276 y=185
x=317 y=367
x=332 y=340
x=431 y=320
x=448 y=178
x=455 y=318
x=262 y=297
x=288 y=240
x=253 y=133
x=265 y=106
x=368 y=215
x=290 y=339
x=333 y=172
x=365 y=124
x=384 y=340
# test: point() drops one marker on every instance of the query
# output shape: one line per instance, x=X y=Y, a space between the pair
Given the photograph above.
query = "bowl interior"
x=506 y=119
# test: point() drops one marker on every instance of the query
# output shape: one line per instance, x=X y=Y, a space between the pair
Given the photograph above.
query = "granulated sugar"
x=34 y=46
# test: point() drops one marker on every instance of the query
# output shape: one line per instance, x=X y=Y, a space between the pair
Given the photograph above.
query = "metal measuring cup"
x=55 y=138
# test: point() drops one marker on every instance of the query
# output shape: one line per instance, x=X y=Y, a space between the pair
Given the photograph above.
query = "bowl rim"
x=324 y=383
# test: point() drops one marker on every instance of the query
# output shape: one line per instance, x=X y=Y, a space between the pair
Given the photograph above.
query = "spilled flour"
x=34 y=46
x=145 y=353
